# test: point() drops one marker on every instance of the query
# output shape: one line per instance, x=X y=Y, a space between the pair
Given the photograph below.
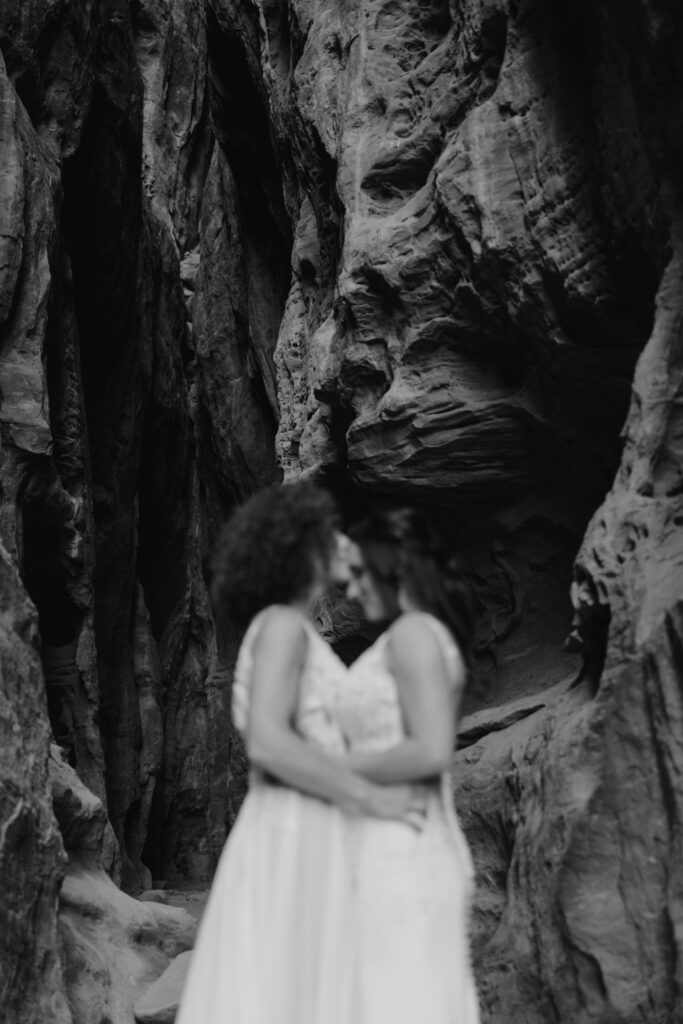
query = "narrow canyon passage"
x=423 y=251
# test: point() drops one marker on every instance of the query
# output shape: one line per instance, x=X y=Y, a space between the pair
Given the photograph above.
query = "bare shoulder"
x=412 y=632
x=282 y=629
x=413 y=647
x=421 y=640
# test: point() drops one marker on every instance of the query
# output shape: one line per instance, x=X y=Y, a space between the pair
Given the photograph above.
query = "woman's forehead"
x=354 y=555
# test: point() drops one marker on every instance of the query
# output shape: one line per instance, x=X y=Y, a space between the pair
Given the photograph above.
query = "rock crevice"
x=426 y=252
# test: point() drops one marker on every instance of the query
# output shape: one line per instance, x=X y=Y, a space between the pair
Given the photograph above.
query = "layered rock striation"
x=138 y=400
x=480 y=237
x=485 y=280
x=426 y=251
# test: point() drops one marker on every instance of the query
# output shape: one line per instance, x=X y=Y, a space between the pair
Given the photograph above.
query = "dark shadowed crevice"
x=102 y=217
x=46 y=524
x=403 y=172
x=166 y=439
x=590 y=635
x=242 y=125
x=47 y=531
x=141 y=19
x=102 y=220
x=286 y=41
x=36 y=63
x=164 y=511
x=317 y=172
x=489 y=58
x=388 y=294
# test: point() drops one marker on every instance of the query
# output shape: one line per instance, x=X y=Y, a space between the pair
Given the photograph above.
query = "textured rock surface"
x=571 y=813
x=138 y=320
x=110 y=945
x=486 y=207
x=189 y=899
x=479 y=237
x=113 y=947
x=462 y=223
x=160 y=1002
x=32 y=858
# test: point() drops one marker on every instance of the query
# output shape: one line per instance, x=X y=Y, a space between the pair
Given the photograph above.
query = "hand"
x=399 y=803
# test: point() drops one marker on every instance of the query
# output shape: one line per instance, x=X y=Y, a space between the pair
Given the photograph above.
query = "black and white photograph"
x=341 y=511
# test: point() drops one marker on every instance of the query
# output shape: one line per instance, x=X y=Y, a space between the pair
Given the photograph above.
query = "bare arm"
x=279 y=653
x=428 y=700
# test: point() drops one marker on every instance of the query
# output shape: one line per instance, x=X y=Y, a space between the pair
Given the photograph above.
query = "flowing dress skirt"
x=276 y=943
x=413 y=900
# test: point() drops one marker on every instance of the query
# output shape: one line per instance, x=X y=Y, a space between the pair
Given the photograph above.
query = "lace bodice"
x=369 y=712
x=368 y=706
x=322 y=678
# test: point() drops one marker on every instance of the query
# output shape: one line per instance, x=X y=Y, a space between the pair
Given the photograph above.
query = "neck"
x=406 y=603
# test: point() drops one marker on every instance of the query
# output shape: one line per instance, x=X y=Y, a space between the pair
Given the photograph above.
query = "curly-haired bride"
x=277 y=941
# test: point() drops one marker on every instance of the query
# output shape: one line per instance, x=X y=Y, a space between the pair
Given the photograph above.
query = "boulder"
x=177 y=928
x=160 y=1002
x=112 y=945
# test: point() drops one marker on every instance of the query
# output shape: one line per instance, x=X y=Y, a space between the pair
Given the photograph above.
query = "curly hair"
x=270 y=550
x=400 y=548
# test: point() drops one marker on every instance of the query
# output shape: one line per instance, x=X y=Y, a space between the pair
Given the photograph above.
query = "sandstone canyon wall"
x=427 y=251
x=138 y=394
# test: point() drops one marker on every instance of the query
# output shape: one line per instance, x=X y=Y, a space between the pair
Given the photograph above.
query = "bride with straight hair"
x=277 y=942
x=399 y=710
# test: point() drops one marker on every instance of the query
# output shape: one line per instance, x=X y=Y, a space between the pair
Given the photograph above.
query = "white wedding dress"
x=412 y=889
x=276 y=943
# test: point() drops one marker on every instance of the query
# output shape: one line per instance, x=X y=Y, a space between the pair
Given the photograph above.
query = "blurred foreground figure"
x=398 y=711
x=277 y=943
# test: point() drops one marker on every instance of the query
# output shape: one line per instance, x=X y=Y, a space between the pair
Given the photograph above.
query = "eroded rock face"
x=113 y=947
x=32 y=856
x=572 y=812
x=486 y=200
x=479 y=238
x=461 y=221
x=159 y=1004
x=138 y=320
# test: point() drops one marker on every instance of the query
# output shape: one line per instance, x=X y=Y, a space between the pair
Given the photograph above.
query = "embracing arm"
x=428 y=700
x=279 y=653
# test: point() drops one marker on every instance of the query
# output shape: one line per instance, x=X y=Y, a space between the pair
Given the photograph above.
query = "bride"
x=398 y=710
x=277 y=943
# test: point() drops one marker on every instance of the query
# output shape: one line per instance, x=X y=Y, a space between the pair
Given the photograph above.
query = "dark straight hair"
x=401 y=549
